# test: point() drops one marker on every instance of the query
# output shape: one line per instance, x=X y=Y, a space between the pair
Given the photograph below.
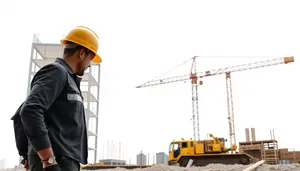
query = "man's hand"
x=45 y=154
x=26 y=165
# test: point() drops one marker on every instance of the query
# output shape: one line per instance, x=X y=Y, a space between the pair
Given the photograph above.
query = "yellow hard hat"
x=85 y=37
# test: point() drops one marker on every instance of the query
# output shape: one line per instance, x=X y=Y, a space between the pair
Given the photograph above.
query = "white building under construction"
x=45 y=53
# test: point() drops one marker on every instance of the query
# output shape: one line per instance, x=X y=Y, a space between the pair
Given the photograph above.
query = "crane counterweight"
x=288 y=59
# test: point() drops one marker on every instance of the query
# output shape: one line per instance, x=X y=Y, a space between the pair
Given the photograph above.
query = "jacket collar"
x=70 y=70
x=66 y=65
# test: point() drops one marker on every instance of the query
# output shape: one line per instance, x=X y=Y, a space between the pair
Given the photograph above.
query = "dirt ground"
x=215 y=167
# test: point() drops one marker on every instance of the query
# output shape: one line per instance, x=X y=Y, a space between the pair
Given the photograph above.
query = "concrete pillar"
x=247 y=135
x=253 y=134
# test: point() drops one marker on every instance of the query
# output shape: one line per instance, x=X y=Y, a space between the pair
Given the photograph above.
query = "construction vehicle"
x=205 y=152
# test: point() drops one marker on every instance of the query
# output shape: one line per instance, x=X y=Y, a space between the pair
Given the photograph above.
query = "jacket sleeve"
x=46 y=86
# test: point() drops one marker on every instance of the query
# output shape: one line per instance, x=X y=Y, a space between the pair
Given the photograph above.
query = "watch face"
x=51 y=160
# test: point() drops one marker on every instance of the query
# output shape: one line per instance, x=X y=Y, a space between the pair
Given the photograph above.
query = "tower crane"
x=194 y=76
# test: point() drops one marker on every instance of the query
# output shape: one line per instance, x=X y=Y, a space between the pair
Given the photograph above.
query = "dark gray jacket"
x=53 y=114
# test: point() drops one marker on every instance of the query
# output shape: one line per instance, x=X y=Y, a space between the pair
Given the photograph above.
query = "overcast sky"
x=140 y=40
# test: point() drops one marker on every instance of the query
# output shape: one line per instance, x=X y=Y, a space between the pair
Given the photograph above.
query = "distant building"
x=141 y=159
x=2 y=164
x=162 y=158
x=112 y=162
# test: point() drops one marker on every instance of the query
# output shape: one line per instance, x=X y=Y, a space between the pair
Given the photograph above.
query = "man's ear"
x=81 y=54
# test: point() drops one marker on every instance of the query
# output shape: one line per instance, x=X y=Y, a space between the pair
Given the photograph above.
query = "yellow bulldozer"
x=205 y=152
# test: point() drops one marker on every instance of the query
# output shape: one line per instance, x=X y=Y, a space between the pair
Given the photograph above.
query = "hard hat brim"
x=97 y=59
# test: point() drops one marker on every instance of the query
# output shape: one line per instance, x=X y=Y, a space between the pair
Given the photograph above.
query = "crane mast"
x=230 y=110
x=195 y=108
x=194 y=75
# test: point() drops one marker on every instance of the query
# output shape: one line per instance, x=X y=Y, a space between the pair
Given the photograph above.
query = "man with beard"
x=53 y=114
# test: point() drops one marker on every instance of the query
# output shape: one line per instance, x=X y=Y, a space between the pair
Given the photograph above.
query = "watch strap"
x=47 y=160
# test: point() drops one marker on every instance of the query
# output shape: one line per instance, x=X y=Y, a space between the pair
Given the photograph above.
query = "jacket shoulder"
x=54 y=66
x=53 y=72
x=54 y=69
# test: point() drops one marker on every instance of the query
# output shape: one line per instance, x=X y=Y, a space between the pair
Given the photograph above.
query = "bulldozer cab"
x=174 y=150
x=179 y=148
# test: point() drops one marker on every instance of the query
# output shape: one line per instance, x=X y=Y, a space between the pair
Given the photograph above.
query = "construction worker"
x=53 y=114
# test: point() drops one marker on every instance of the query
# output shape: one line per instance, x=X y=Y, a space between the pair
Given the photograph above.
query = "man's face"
x=85 y=57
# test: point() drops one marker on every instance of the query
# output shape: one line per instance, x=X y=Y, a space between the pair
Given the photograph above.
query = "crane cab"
x=179 y=148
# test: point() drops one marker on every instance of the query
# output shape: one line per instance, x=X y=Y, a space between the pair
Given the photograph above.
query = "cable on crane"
x=170 y=70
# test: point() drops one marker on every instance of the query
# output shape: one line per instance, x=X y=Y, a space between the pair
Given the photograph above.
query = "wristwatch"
x=50 y=160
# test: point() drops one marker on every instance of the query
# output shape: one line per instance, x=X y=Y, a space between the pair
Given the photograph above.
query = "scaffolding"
x=266 y=150
x=270 y=152
x=46 y=53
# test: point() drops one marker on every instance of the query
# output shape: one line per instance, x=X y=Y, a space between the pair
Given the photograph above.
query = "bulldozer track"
x=214 y=159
